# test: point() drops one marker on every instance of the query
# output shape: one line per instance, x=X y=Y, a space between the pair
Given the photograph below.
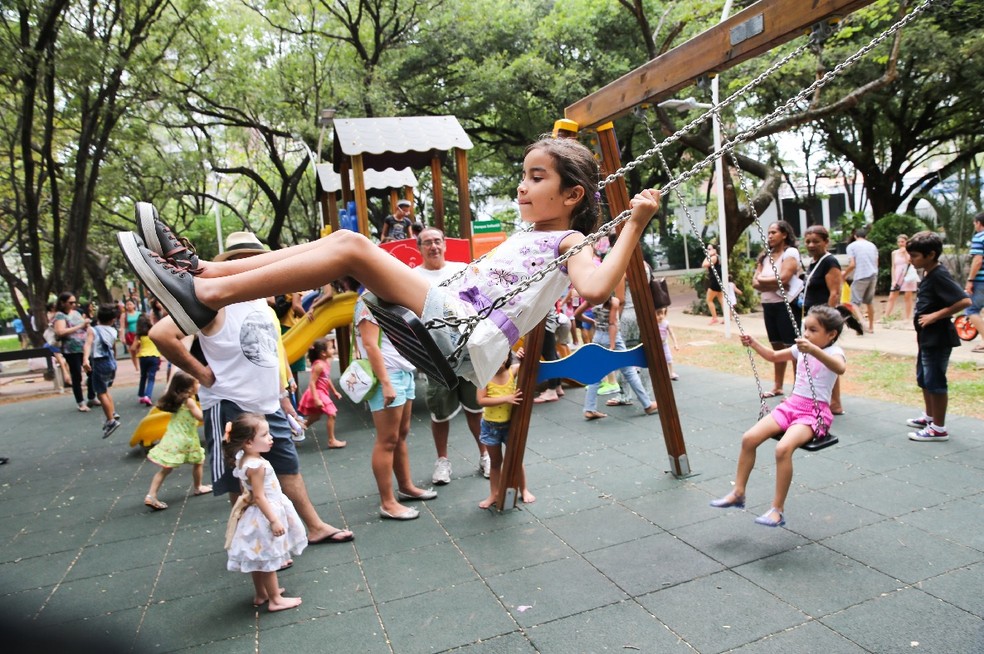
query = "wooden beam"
x=752 y=31
x=464 y=198
x=361 y=206
x=618 y=201
x=438 y=191
x=510 y=481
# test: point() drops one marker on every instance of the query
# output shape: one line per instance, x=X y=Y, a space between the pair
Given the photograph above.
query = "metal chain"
x=470 y=322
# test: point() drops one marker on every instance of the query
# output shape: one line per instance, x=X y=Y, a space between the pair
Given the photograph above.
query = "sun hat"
x=238 y=243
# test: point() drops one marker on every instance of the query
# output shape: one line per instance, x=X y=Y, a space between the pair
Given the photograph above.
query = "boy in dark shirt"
x=939 y=297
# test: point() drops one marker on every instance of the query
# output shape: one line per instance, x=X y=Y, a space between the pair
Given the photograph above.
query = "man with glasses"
x=444 y=404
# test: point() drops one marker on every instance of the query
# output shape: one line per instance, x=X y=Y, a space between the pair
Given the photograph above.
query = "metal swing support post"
x=618 y=201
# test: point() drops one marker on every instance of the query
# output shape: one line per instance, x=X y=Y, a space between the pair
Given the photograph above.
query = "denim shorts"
x=494 y=433
x=103 y=374
x=404 y=385
x=976 y=299
x=931 y=365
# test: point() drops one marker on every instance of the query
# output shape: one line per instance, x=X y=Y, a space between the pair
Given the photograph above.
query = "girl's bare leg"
x=277 y=602
x=235 y=266
x=196 y=480
x=155 y=483
x=908 y=305
x=332 y=441
x=890 y=305
x=495 y=474
x=835 y=398
x=780 y=372
x=387 y=423
x=795 y=436
x=760 y=432
x=340 y=254
x=527 y=496
x=401 y=456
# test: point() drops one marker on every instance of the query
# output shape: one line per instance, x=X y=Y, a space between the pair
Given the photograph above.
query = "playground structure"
x=750 y=32
x=377 y=144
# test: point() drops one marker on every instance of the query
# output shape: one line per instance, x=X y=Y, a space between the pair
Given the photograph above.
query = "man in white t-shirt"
x=863 y=263
x=239 y=372
x=444 y=404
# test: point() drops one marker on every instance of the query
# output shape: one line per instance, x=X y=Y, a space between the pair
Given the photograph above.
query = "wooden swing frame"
x=748 y=33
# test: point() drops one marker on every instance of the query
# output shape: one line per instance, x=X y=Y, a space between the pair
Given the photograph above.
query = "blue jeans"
x=148 y=374
x=630 y=373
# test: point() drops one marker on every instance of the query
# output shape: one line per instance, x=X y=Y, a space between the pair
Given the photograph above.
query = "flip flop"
x=979 y=349
x=334 y=537
x=594 y=415
x=156 y=505
x=615 y=402
x=769 y=394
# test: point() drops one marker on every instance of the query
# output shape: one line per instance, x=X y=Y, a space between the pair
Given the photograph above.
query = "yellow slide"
x=338 y=312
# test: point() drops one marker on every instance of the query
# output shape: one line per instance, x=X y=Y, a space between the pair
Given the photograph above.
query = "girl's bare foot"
x=283 y=603
x=528 y=497
x=487 y=503
x=336 y=444
x=260 y=601
x=204 y=489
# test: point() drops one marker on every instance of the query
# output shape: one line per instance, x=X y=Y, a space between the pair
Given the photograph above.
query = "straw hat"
x=238 y=243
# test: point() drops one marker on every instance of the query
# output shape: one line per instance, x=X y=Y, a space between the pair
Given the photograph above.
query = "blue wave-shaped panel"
x=590 y=363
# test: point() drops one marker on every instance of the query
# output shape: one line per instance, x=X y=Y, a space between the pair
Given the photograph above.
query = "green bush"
x=673 y=242
x=883 y=234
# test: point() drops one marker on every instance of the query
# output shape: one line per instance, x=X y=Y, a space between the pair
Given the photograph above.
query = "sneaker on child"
x=930 y=434
x=608 y=389
x=919 y=423
x=442 y=472
x=110 y=427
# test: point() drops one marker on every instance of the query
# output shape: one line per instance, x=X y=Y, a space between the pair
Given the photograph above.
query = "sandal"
x=154 y=503
x=769 y=394
x=594 y=415
x=618 y=402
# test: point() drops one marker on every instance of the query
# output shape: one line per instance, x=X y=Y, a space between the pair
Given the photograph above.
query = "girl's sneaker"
x=146 y=401
x=110 y=427
x=930 y=434
x=921 y=422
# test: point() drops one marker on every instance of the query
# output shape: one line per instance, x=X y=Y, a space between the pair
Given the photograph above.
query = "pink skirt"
x=308 y=406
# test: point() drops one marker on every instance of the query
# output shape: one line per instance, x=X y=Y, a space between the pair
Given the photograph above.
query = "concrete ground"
x=883 y=550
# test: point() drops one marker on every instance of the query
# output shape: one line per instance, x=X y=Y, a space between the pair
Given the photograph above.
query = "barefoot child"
x=317 y=398
x=557 y=195
x=268 y=530
x=180 y=443
x=796 y=417
x=498 y=398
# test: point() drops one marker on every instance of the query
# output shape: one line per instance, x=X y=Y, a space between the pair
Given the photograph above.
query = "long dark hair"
x=239 y=432
x=576 y=166
x=318 y=348
x=143 y=325
x=62 y=299
x=180 y=389
x=789 y=236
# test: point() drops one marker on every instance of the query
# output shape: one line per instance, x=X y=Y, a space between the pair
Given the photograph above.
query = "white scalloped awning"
x=331 y=182
x=397 y=142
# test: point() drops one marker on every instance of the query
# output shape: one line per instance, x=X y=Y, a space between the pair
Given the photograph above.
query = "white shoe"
x=298 y=437
x=442 y=472
x=485 y=465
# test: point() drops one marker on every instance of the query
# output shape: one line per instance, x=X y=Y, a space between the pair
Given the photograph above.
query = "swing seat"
x=815 y=445
x=412 y=340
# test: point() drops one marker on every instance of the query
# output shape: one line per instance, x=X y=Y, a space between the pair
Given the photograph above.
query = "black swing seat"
x=815 y=444
x=412 y=339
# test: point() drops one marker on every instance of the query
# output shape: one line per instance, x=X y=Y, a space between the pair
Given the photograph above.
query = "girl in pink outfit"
x=317 y=398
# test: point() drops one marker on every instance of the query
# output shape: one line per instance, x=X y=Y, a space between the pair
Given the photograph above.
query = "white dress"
x=254 y=548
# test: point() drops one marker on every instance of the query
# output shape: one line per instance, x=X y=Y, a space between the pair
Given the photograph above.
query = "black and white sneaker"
x=172 y=285
x=109 y=427
x=158 y=238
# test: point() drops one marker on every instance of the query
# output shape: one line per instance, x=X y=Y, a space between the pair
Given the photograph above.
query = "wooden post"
x=618 y=201
x=510 y=481
x=331 y=210
x=464 y=198
x=438 y=191
x=361 y=207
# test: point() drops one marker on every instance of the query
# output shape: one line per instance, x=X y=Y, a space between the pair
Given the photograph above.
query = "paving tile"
x=380 y=537
x=113 y=556
x=648 y=564
x=886 y=496
x=513 y=643
x=620 y=627
x=86 y=598
x=553 y=590
x=29 y=544
x=513 y=548
x=564 y=498
x=733 y=538
x=21 y=607
x=960 y=587
x=942 y=475
x=720 y=612
x=915 y=555
x=417 y=571
x=355 y=631
x=443 y=619
x=674 y=508
x=41 y=570
x=198 y=619
x=909 y=620
x=816 y=580
x=606 y=525
x=817 y=515
x=809 y=637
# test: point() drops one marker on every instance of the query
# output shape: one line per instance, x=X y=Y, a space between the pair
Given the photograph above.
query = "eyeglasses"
x=435 y=241
x=71 y=302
